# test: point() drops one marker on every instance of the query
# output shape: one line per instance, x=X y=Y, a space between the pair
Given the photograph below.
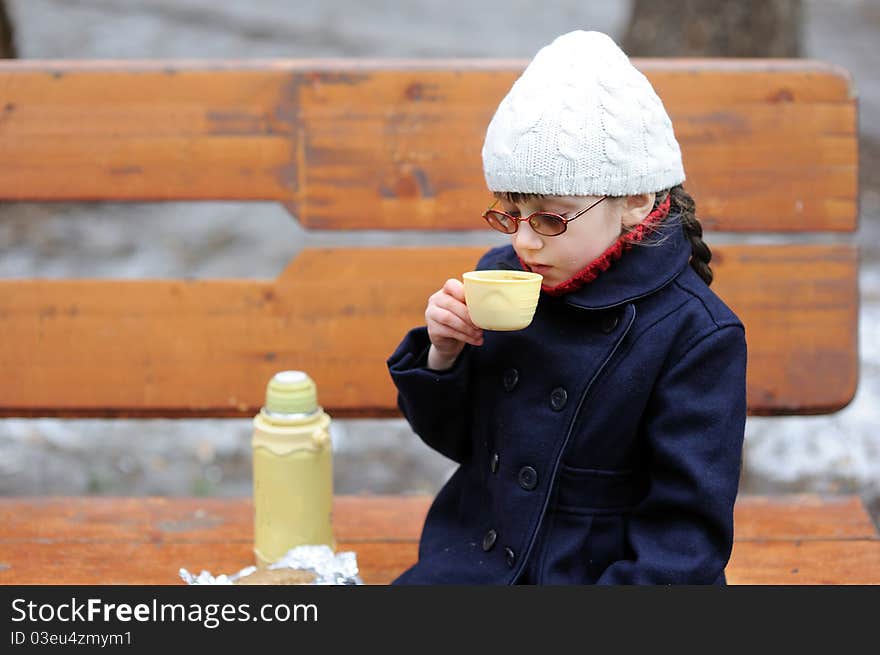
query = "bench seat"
x=790 y=539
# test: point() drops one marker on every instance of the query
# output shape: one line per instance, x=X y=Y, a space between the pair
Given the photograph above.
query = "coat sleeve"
x=435 y=403
x=682 y=531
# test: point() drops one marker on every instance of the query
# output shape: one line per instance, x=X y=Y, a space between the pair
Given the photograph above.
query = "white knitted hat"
x=581 y=121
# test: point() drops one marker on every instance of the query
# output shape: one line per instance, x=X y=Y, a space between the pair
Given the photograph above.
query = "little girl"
x=601 y=444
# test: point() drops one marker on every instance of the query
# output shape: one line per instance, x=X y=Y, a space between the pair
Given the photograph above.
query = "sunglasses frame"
x=519 y=219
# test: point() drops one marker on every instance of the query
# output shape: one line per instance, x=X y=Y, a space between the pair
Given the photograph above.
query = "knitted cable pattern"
x=581 y=120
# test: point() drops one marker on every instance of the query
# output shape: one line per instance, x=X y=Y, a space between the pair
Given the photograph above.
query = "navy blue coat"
x=602 y=444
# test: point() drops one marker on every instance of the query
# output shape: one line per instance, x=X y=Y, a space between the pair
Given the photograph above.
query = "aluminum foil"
x=329 y=567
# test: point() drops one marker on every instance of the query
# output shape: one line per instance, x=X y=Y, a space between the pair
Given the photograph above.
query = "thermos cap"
x=291 y=392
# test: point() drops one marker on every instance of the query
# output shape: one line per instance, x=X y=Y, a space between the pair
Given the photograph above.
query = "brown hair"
x=681 y=212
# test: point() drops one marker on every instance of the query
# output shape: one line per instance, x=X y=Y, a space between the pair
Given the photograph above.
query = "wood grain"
x=356 y=519
x=805 y=563
x=208 y=347
x=768 y=145
x=799 y=539
x=364 y=518
x=137 y=563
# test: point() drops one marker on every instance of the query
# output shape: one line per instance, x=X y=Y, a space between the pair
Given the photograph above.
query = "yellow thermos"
x=293 y=469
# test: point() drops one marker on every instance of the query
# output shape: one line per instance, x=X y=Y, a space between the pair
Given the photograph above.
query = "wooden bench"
x=769 y=146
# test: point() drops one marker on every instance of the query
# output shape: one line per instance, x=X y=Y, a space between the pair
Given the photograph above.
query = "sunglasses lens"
x=500 y=222
x=547 y=224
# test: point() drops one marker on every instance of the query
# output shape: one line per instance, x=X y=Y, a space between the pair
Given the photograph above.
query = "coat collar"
x=640 y=272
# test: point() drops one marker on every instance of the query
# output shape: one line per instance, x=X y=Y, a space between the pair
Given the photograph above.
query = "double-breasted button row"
x=510 y=378
x=558 y=398
x=527 y=477
x=489 y=541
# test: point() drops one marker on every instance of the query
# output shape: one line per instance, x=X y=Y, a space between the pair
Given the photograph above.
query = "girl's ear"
x=635 y=208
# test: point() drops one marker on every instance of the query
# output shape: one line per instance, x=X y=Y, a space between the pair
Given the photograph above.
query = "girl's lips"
x=539 y=268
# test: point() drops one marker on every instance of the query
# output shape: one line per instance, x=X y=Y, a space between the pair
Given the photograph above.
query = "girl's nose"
x=525 y=238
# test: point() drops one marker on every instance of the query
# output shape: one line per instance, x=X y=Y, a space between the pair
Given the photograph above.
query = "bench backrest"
x=769 y=146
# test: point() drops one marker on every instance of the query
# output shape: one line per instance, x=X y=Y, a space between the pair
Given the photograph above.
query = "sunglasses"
x=547 y=224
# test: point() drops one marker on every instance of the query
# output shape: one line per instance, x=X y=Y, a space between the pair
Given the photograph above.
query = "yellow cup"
x=502 y=300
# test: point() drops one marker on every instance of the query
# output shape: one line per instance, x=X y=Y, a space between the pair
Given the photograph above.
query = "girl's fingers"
x=452 y=304
x=456 y=322
x=454 y=288
x=446 y=332
x=453 y=325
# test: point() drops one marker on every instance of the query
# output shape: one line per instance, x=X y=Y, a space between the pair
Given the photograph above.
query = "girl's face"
x=559 y=258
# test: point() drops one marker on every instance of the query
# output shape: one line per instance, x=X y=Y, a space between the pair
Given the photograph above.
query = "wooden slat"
x=360 y=519
x=207 y=348
x=138 y=563
x=768 y=145
x=356 y=519
x=796 y=161
x=799 y=305
x=801 y=517
x=154 y=135
x=802 y=539
x=807 y=563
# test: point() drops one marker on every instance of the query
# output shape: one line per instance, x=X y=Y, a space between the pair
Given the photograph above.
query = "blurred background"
x=825 y=454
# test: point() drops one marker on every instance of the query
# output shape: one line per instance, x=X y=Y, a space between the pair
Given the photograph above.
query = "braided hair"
x=682 y=211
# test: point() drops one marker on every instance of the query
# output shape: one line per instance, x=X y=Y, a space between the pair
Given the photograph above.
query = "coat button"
x=489 y=540
x=610 y=323
x=511 y=377
x=511 y=557
x=528 y=478
x=558 y=398
x=493 y=462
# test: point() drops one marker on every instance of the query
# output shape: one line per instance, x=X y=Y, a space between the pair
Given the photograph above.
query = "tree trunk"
x=704 y=28
x=7 y=42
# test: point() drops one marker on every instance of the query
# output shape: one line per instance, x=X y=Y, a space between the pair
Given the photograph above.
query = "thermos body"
x=292 y=468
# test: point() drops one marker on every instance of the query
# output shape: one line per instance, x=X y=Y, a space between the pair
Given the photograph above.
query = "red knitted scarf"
x=612 y=254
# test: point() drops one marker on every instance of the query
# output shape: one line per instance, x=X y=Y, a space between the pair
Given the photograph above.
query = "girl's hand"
x=449 y=325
